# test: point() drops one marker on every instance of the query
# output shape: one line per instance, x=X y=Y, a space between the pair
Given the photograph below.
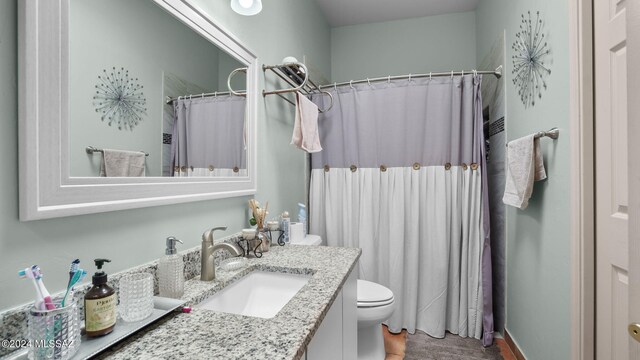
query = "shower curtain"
x=208 y=137
x=402 y=176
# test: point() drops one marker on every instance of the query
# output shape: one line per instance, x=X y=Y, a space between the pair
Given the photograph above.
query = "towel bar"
x=90 y=150
x=552 y=133
x=296 y=75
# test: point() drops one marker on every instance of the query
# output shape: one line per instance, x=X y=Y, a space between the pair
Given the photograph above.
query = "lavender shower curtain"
x=208 y=137
x=403 y=176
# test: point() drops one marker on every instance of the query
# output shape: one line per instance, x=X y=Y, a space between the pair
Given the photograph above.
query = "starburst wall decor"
x=529 y=68
x=119 y=98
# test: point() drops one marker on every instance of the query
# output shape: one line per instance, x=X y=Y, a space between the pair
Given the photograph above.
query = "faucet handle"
x=208 y=235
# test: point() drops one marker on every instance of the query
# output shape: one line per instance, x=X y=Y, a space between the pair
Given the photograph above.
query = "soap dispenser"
x=100 y=304
x=171 y=271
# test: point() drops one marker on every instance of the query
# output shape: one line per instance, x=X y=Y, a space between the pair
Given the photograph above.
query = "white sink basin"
x=260 y=294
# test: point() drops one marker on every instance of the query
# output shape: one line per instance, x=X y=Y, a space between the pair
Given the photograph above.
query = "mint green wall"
x=419 y=45
x=538 y=245
x=129 y=238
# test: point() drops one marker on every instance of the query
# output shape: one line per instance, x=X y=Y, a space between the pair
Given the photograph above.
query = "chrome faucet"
x=207 y=263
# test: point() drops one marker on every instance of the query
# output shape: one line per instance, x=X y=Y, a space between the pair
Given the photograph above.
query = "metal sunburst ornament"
x=119 y=98
x=529 y=68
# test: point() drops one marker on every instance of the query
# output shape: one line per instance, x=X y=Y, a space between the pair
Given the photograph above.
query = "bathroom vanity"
x=319 y=322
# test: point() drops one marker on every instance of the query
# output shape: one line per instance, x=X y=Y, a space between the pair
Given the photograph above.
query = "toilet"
x=375 y=305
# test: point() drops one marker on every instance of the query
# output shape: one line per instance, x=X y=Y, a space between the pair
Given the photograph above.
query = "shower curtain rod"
x=497 y=72
x=203 y=95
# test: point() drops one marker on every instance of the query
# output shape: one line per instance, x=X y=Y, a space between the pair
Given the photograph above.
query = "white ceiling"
x=352 y=12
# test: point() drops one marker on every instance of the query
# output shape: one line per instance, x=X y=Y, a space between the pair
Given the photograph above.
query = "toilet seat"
x=371 y=294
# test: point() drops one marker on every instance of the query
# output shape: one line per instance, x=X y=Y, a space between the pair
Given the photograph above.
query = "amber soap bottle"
x=100 y=304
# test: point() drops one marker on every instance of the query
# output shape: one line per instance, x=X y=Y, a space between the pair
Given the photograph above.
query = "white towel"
x=305 y=128
x=119 y=163
x=524 y=166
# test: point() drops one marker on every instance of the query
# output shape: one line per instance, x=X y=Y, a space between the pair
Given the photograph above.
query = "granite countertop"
x=214 y=335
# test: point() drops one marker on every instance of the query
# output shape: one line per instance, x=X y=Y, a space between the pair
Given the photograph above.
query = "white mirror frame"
x=46 y=189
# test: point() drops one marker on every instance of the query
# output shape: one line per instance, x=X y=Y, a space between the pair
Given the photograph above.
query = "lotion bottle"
x=100 y=304
x=171 y=271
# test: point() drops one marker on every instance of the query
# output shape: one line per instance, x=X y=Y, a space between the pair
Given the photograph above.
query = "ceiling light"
x=246 y=7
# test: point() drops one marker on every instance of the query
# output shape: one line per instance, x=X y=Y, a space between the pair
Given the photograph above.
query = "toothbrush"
x=77 y=278
x=72 y=270
x=28 y=274
x=43 y=299
x=37 y=275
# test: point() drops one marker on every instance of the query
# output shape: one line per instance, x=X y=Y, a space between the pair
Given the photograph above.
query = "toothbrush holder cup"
x=136 y=296
x=54 y=334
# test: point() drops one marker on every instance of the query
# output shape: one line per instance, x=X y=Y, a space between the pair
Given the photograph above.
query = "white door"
x=612 y=263
x=633 y=41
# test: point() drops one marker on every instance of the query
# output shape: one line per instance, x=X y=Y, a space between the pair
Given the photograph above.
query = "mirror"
x=137 y=82
x=141 y=84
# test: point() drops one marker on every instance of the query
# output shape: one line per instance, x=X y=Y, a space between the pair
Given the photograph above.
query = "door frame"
x=581 y=129
x=633 y=132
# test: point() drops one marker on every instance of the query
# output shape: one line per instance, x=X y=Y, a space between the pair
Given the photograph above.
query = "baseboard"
x=512 y=345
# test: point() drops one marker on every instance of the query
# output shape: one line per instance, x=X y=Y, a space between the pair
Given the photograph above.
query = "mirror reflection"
x=148 y=96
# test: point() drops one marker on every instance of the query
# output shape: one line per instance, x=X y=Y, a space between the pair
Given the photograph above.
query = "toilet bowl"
x=375 y=305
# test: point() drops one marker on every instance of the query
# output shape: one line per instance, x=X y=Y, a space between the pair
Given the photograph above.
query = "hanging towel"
x=305 y=128
x=524 y=166
x=119 y=163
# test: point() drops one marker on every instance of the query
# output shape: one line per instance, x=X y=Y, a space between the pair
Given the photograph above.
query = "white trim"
x=633 y=111
x=46 y=189
x=582 y=183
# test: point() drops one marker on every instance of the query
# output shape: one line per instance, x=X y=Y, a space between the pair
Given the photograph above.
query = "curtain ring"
x=190 y=96
x=335 y=86
x=202 y=96
x=451 y=74
x=462 y=72
x=429 y=75
x=389 y=79
x=215 y=94
x=351 y=83
x=409 y=77
x=369 y=81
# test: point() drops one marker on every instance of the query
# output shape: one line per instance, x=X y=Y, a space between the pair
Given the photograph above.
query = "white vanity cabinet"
x=337 y=336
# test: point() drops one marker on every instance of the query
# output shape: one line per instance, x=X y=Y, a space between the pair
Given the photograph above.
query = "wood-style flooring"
x=422 y=346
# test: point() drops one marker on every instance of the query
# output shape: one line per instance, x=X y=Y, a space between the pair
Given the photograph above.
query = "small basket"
x=54 y=334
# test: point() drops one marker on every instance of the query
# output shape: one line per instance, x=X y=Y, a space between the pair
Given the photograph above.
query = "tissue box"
x=296 y=232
